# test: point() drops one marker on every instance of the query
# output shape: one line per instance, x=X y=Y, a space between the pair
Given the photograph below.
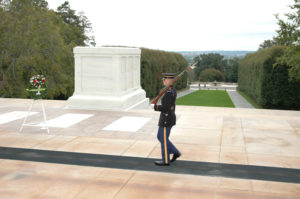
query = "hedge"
x=266 y=80
x=155 y=62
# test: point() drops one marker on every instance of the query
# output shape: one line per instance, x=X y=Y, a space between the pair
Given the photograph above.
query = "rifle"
x=155 y=100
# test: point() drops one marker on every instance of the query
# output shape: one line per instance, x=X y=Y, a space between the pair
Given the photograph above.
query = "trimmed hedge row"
x=266 y=80
x=155 y=62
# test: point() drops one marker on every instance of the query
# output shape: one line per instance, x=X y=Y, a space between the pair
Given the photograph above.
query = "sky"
x=182 y=25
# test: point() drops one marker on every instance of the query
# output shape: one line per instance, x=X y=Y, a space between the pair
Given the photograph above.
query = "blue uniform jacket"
x=167 y=108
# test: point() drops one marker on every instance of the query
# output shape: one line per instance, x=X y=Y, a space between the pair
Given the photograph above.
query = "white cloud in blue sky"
x=182 y=24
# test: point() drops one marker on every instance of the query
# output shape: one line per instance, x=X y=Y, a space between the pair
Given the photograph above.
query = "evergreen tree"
x=82 y=26
x=36 y=40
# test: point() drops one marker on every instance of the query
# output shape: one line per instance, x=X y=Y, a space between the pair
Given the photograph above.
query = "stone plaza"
x=109 y=154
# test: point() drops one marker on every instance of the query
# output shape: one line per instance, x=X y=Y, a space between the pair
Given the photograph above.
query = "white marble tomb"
x=107 y=78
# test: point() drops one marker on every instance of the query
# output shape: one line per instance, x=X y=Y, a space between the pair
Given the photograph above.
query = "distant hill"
x=189 y=55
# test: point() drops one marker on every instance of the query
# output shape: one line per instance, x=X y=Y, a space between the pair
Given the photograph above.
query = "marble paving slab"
x=126 y=123
x=66 y=120
x=14 y=115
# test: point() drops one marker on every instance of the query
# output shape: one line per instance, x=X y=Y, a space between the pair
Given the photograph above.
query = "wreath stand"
x=45 y=126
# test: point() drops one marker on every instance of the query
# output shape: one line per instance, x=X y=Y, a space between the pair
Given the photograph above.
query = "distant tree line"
x=213 y=67
x=228 y=54
x=37 y=40
x=271 y=76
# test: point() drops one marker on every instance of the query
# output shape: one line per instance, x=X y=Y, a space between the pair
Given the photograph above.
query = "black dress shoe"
x=175 y=156
x=161 y=163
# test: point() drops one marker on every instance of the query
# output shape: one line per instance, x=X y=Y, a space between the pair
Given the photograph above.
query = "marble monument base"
x=107 y=78
x=133 y=100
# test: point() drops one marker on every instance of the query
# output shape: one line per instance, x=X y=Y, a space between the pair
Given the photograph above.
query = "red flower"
x=44 y=80
x=34 y=81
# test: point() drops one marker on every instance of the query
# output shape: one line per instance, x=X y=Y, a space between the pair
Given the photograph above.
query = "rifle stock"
x=155 y=100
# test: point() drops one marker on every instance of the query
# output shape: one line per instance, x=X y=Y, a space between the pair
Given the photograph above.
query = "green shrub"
x=266 y=80
x=155 y=62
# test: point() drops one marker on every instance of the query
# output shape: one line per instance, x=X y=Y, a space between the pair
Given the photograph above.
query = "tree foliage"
x=211 y=60
x=155 y=62
x=210 y=75
x=216 y=61
x=231 y=69
x=288 y=35
x=267 y=43
x=80 y=24
x=36 y=40
x=266 y=80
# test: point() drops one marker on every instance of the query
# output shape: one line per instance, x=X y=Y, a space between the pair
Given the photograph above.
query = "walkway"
x=185 y=92
x=238 y=100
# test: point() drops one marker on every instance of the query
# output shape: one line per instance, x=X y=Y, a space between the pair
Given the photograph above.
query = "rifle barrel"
x=155 y=100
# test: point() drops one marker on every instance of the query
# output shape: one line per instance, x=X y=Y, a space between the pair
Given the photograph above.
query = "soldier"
x=166 y=121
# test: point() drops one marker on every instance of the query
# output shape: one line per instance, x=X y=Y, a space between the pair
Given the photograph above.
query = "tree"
x=289 y=31
x=288 y=35
x=231 y=69
x=267 y=44
x=211 y=60
x=32 y=45
x=40 y=3
x=35 y=40
x=80 y=22
x=210 y=75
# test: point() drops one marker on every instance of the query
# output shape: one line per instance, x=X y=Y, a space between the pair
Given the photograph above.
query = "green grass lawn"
x=206 y=98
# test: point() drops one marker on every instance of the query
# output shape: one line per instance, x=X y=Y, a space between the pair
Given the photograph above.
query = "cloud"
x=182 y=24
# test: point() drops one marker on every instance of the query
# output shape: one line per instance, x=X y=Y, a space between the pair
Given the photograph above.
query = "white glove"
x=152 y=106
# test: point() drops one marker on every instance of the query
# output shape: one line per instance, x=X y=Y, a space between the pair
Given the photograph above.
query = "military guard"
x=166 y=121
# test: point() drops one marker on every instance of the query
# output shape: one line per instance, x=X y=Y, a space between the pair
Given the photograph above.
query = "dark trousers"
x=167 y=147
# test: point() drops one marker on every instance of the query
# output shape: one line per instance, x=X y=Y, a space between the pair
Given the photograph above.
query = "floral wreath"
x=37 y=87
